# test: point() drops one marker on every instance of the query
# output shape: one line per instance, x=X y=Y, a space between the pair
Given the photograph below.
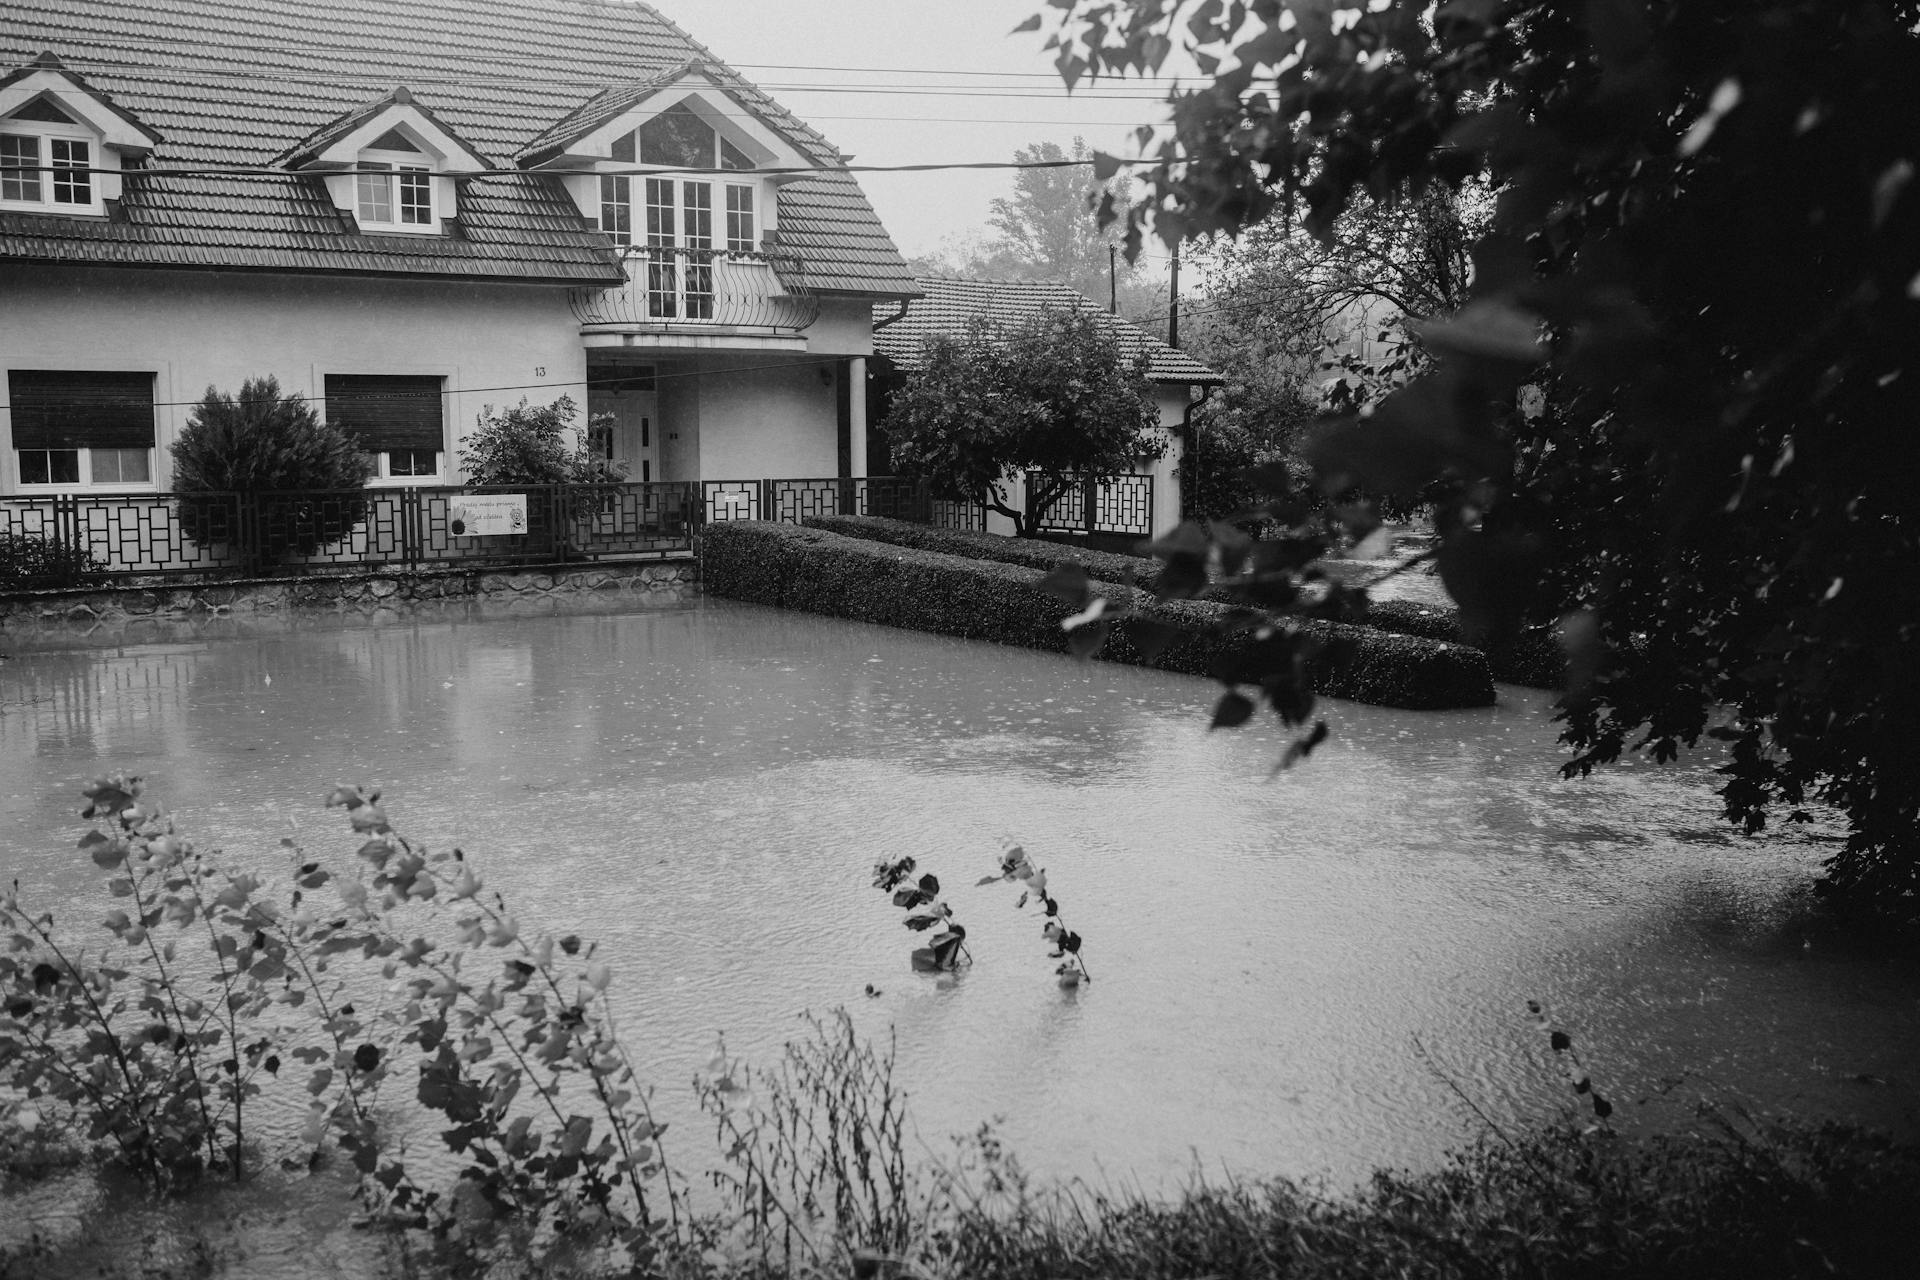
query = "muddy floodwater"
x=1292 y=974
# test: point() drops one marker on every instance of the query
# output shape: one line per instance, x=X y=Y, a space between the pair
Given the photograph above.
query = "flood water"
x=1288 y=971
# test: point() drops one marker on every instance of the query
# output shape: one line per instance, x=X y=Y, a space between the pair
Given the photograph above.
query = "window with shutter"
x=398 y=418
x=81 y=427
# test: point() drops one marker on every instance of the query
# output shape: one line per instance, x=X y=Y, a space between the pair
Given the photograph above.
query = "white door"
x=636 y=432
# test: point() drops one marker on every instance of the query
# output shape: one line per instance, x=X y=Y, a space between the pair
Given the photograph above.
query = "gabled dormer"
x=391 y=165
x=649 y=162
x=63 y=142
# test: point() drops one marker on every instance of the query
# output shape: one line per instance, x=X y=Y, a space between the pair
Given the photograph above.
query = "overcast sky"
x=975 y=93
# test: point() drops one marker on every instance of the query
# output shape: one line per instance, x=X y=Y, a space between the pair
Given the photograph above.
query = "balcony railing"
x=670 y=287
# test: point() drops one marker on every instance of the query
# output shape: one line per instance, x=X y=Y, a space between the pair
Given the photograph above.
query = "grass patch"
x=1790 y=1203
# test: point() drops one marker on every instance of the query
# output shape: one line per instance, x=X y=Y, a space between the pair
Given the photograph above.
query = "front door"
x=635 y=439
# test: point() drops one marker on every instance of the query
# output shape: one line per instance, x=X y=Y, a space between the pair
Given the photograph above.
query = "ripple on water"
x=705 y=789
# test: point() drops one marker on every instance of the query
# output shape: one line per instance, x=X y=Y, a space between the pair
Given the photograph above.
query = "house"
x=410 y=210
x=949 y=306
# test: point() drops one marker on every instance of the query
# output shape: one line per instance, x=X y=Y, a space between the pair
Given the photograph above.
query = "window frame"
x=396 y=180
x=85 y=482
x=45 y=133
x=384 y=476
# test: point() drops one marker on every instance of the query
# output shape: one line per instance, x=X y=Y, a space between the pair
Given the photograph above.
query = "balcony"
x=699 y=297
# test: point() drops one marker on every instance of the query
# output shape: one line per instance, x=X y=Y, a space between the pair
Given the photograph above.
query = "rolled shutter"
x=73 y=409
x=387 y=411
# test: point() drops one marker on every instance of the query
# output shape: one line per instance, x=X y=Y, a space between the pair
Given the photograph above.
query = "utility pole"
x=1113 y=273
x=1173 y=302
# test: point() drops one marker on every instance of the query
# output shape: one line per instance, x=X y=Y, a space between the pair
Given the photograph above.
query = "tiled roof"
x=246 y=82
x=948 y=306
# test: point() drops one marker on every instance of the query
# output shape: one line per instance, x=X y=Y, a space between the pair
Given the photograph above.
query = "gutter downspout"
x=1192 y=435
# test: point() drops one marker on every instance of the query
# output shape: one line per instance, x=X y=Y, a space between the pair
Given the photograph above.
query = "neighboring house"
x=409 y=210
x=949 y=306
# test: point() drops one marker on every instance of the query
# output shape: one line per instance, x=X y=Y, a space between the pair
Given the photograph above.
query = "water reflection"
x=705 y=787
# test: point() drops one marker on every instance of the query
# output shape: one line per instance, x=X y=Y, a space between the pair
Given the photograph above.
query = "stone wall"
x=657 y=581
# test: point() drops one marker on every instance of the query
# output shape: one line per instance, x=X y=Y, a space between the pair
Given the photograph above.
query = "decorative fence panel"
x=160 y=534
x=1122 y=504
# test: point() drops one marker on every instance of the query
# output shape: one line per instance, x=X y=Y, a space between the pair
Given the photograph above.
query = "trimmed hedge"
x=1035 y=553
x=822 y=572
x=1532 y=658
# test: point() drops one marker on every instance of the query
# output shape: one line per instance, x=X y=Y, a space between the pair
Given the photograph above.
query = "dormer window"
x=45 y=158
x=394 y=187
x=390 y=165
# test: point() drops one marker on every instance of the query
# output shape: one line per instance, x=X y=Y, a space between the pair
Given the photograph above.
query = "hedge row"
x=1532 y=658
x=1107 y=566
x=822 y=572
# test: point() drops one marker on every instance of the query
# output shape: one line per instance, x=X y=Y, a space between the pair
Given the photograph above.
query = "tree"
x=1049 y=229
x=1050 y=394
x=531 y=445
x=1676 y=405
x=301 y=474
x=1295 y=324
x=1353 y=301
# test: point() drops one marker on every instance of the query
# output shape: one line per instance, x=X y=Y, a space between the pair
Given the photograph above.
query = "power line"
x=268 y=171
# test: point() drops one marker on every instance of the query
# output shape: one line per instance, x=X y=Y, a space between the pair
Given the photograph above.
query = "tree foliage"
x=533 y=444
x=260 y=443
x=1051 y=393
x=1676 y=405
x=1049 y=229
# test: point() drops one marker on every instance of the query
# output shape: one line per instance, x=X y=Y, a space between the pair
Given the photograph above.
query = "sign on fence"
x=477 y=515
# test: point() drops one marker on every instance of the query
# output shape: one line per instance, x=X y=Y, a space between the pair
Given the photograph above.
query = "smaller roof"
x=399 y=102
x=948 y=306
x=47 y=72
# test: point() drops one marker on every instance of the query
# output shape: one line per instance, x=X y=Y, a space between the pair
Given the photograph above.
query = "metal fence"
x=1122 y=504
x=234 y=534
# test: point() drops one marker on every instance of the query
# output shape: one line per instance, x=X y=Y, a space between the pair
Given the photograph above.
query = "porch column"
x=857 y=413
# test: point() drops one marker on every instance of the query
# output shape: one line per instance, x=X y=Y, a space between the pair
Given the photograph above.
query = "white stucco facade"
x=725 y=410
x=492 y=344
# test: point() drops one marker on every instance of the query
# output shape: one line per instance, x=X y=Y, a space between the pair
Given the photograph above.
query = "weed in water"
x=926 y=911
x=1015 y=865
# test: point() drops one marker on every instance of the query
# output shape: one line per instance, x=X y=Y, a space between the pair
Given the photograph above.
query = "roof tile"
x=240 y=82
x=948 y=306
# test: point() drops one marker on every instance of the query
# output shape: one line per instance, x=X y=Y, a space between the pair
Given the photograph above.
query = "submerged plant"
x=1570 y=1065
x=152 y=1044
x=1015 y=865
x=927 y=910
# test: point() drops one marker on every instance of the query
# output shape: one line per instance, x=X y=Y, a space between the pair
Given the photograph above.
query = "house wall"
x=765 y=420
x=492 y=343
x=845 y=328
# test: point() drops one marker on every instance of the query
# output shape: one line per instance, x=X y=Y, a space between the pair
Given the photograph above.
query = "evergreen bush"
x=303 y=475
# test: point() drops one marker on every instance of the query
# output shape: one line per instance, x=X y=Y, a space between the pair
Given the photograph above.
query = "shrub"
x=27 y=563
x=303 y=474
x=148 y=1045
x=822 y=572
x=529 y=445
